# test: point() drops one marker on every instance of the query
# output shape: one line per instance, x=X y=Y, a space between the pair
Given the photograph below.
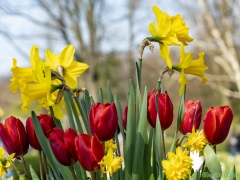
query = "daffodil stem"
x=15 y=168
x=163 y=71
x=73 y=173
x=164 y=149
x=40 y=164
x=24 y=166
x=45 y=166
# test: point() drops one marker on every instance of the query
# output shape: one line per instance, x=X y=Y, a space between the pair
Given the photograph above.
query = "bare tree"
x=218 y=30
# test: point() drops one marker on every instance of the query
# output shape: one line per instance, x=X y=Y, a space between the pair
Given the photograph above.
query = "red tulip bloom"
x=192 y=116
x=47 y=125
x=63 y=146
x=14 y=136
x=165 y=109
x=89 y=151
x=103 y=120
x=217 y=122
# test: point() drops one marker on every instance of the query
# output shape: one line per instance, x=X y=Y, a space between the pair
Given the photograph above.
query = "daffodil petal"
x=66 y=56
x=164 y=53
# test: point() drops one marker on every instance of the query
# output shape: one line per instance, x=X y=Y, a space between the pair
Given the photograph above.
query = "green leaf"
x=110 y=95
x=195 y=176
x=205 y=175
x=130 y=134
x=100 y=95
x=179 y=119
x=232 y=174
x=83 y=115
x=141 y=140
x=69 y=110
x=120 y=123
x=181 y=109
x=50 y=174
x=65 y=171
x=23 y=177
x=139 y=72
x=152 y=177
x=57 y=121
x=87 y=100
x=75 y=113
x=212 y=162
x=159 y=147
x=33 y=174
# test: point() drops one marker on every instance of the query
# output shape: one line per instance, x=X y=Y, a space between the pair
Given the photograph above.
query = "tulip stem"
x=40 y=164
x=215 y=148
x=45 y=166
x=164 y=149
x=24 y=166
x=93 y=176
x=73 y=173
x=15 y=168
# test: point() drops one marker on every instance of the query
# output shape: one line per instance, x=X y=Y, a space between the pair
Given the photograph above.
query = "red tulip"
x=192 y=116
x=217 y=122
x=47 y=124
x=63 y=146
x=124 y=117
x=14 y=136
x=89 y=151
x=165 y=109
x=103 y=120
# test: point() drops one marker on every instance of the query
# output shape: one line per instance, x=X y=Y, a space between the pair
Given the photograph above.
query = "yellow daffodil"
x=1 y=112
x=196 y=141
x=24 y=73
x=168 y=31
x=33 y=92
x=65 y=65
x=5 y=163
x=110 y=163
x=178 y=166
x=189 y=66
x=110 y=144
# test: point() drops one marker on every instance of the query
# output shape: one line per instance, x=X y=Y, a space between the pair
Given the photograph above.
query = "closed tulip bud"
x=63 y=146
x=103 y=120
x=14 y=136
x=47 y=125
x=165 y=109
x=192 y=116
x=124 y=117
x=217 y=122
x=89 y=151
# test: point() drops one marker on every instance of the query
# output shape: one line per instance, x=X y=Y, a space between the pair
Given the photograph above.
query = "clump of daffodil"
x=110 y=144
x=5 y=163
x=178 y=166
x=189 y=66
x=196 y=141
x=65 y=65
x=110 y=163
x=169 y=30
